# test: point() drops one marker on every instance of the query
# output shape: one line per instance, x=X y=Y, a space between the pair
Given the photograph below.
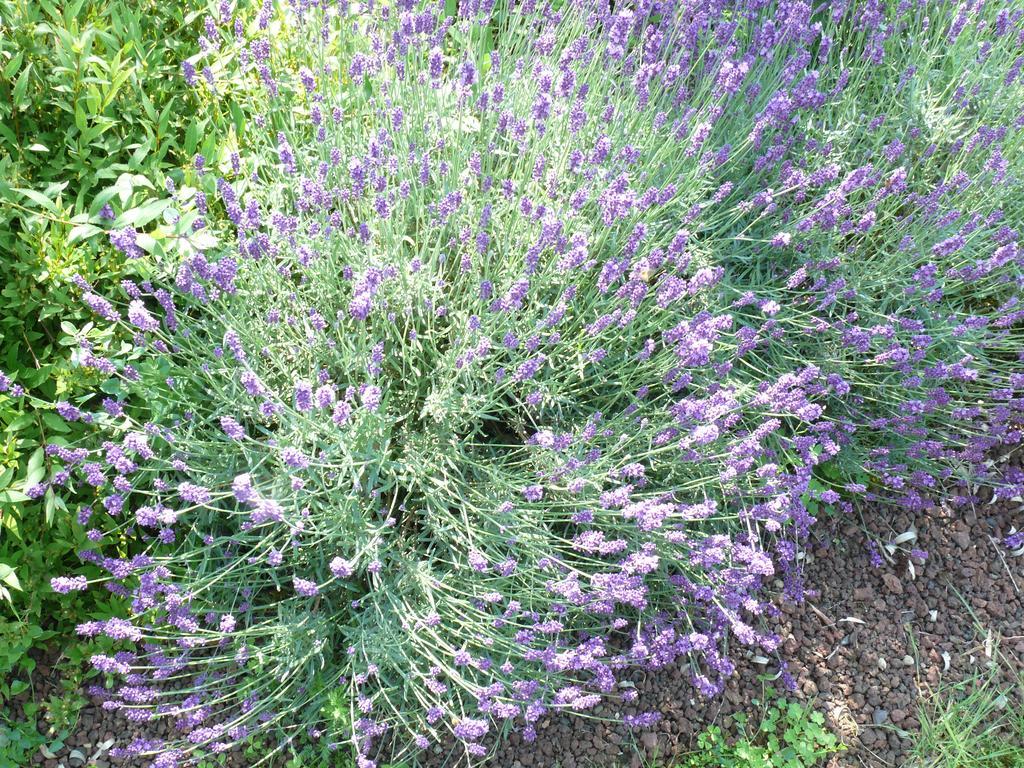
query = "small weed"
x=18 y=741
x=790 y=735
x=972 y=724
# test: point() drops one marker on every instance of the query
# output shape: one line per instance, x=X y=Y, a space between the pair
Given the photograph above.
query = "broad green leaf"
x=13 y=65
x=9 y=577
x=81 y=120
x=55 y=423
x=35 y=472
x=21 y=422
x=140 y=217
x=8 y=134
x=38 y=198
x=49 y=505
x=82 y=232
x=191 y=138
x=20 y=87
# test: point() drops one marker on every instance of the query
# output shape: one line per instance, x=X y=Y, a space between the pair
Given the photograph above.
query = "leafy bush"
x=789 y=735
x=92 y=115
x=89 y=118
x=538 y=333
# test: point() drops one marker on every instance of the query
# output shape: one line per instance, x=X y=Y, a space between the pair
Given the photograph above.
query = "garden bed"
x=540 y=386
x=866 y=649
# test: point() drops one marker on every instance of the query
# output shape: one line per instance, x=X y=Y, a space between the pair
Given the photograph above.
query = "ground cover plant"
x=536 y=340
x=788 y=735
x=89 y=120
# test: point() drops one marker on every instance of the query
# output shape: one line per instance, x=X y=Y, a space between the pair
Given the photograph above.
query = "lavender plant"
x=529 y=339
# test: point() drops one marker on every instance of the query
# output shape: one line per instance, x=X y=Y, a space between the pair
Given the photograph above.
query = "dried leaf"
x=909 y=535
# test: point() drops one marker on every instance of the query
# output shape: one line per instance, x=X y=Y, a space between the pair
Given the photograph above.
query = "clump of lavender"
x=539 y=325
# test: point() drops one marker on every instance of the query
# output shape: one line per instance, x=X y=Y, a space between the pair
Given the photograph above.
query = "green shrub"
x=91 y=113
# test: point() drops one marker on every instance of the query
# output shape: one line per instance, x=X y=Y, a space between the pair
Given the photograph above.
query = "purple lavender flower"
x=140 y=317
x=294 y=458
x=303 y=396
x=189 y=72
x=101 y=307
x=341 y=568
x=285 y=154
x=67 y=411
x=305 y=588
x=874 y=555
x=194 y=494
x=533 y=493
x=471 y=729
x=341 y=413
x=232 y=428
x=371 y=397
x=124 y=240
x=63 y=585
x=324 y=396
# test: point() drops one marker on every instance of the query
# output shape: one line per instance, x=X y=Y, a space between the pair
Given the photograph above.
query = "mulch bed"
x=864 y=648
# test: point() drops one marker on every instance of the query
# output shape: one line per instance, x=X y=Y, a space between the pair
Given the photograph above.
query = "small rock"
x=962 y=539
x=893 y=583
x=879 y=716
x=868 y=738
x=882 y=663
x=908 y=660
x=863 y=593
x=649 y=740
